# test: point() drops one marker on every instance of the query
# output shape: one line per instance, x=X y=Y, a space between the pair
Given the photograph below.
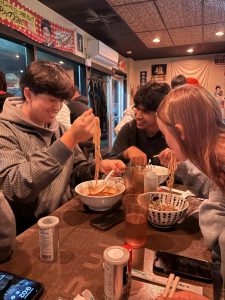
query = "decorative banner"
x=159 y=72
x=143 y=77
x=15 y=15
x=220 y=60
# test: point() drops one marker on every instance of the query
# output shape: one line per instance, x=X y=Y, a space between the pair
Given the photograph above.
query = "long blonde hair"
x=197 y=111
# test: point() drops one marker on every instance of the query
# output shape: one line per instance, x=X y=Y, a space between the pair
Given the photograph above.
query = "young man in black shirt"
x=140 y=139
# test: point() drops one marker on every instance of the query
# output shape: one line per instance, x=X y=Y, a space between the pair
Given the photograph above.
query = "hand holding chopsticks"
x=171 y=283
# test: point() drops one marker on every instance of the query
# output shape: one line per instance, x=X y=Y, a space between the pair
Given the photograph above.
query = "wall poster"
x=159 y=72
x=219 y=59
x=80 y=47
x=143 y=77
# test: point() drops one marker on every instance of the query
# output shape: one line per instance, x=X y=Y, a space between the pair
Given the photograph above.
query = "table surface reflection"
x=81 y=254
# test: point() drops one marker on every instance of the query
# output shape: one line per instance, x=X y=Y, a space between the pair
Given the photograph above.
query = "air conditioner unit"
x=102 y=53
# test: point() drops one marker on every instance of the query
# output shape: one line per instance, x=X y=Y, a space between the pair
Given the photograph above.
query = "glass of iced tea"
x=134 y=179
x=136 y=220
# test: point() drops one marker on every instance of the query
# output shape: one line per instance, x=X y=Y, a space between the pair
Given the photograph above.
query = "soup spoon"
x=100 y=187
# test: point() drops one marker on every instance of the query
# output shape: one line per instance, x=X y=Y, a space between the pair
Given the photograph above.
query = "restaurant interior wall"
x=131 y=80
x=215 y=73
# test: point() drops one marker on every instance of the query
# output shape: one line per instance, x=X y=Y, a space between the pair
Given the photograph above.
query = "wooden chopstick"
x=174 y=286
x=170 y=279
x=169 y=292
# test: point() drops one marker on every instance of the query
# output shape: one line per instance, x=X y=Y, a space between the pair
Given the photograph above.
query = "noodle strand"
x=172 y=166
x=97 y=141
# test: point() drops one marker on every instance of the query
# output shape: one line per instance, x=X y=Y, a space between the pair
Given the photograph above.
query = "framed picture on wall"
x=79 y=42
x=159 y=72
x=143 y=77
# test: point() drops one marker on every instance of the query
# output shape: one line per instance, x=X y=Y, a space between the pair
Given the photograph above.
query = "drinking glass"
x=134 y=179
x=136 y=220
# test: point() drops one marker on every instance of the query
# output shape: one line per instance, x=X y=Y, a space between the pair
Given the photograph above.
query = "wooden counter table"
x=81 y=254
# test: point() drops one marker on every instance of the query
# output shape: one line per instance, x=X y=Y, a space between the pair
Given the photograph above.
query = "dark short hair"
x=45 y=77
x=3 y=83
x=46 y=23
x=178 y=80
x=150 y=95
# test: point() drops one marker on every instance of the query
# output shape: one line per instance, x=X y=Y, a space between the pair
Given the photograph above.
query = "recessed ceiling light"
x=190 y=50
x=61 y=62
x=219 y=33
x=156 y=40
x=17 y=56
x=129 y=52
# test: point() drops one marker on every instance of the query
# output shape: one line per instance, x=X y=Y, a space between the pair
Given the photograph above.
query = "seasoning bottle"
x=151 y=182
x=116 y=273
x=48 y=238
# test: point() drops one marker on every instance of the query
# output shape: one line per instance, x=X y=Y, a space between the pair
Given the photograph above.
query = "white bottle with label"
x=48 y=238
x=151 y=182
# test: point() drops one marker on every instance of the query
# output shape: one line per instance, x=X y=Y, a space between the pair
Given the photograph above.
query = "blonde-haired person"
x=191 y=121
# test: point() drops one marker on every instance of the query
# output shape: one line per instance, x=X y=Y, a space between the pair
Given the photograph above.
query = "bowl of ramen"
x=165 y=209
x=104 y=200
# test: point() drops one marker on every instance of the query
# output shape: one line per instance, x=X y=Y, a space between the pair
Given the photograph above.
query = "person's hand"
x=165 y=157
x=136 y=156
x=184 y=295
x=106 y=165
x=81 y=130
x=83 y=127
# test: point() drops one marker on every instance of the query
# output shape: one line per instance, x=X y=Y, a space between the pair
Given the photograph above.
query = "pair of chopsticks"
x=171 y=286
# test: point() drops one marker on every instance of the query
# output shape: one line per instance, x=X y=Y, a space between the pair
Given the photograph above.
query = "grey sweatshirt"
x=211 y=212
x=7 y=229
x=35 y=166
x=193 y=179
x=212 y=224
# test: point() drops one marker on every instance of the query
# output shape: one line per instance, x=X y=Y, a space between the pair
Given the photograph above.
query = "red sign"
x=15 y=15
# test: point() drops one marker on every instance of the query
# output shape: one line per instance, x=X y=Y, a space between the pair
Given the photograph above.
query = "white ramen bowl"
x=99 y=203
x=162 y=173
x=162 y=218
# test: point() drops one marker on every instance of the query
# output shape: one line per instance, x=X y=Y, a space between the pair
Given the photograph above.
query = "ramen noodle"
x=97 y=141
x=162 y=206
x=172 y=166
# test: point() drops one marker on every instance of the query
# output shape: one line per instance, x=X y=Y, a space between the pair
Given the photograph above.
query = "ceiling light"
x=190 y=50
x=219 y=33
x=61 y=62
x=17 y=56
x=156 y=40
x=129 y=52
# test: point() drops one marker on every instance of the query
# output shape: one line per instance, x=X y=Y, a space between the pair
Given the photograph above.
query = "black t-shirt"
x=130 y=135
